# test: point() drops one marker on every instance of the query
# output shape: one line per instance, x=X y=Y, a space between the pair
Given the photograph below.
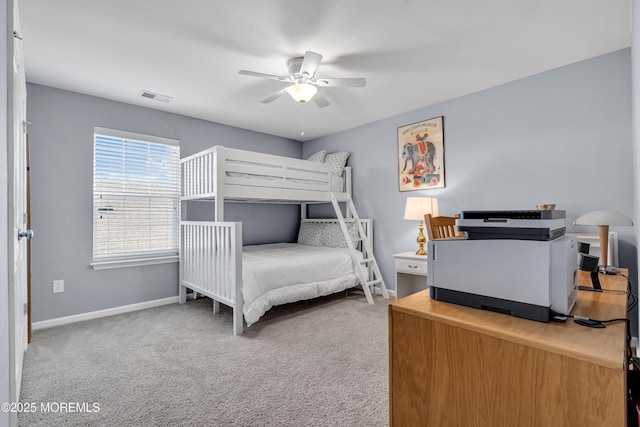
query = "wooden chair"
x=442 y=227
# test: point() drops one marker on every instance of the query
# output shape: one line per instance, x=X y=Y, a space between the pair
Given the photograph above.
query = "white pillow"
x=337 y=161
x=318 y=156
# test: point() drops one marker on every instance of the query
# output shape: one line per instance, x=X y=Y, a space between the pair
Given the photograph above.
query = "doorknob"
x=28 y=234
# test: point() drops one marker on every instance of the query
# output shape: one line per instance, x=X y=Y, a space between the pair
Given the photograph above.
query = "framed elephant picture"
x=421 y=155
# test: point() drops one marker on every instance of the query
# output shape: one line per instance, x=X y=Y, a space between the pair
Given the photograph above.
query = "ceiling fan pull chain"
x=301 y=118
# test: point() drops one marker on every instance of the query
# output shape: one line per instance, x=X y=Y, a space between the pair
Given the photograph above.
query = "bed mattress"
x=281 y=273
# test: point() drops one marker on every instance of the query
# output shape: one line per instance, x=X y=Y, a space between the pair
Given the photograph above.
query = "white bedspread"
x=280 y=273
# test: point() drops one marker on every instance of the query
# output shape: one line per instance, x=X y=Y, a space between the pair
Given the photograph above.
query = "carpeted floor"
x=315 y=363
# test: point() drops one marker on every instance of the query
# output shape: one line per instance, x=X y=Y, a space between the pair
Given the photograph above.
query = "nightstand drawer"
x=418 y=267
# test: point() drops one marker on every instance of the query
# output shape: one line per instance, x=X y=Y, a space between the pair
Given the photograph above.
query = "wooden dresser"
x=451 y=365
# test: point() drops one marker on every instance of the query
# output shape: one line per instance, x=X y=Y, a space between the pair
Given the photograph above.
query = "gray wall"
x=61 y=135
x=563 y=136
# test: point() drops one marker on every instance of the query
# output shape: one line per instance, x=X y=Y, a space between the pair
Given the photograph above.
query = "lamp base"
x=609 y=270
x=595 y=282
x=421 y=241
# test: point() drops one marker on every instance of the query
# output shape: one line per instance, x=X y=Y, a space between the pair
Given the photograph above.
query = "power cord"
x=586 y=321
x=632 y=302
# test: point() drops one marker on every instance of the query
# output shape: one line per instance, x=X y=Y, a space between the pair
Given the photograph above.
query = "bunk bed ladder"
x=367 y=267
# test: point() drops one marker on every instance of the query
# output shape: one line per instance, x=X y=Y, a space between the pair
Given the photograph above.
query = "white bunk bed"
x=221 y=173
x=211 y=255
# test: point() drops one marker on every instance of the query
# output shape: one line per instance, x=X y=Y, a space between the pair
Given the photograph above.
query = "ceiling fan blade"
x=273 y=97
x=320 y=100
x=264 y=76
x=349 y=82
x=310 y=64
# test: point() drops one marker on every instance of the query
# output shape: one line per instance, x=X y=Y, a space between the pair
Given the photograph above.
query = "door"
x=18 y=200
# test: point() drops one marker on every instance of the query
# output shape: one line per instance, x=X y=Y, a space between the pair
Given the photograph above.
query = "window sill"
x=137 y=262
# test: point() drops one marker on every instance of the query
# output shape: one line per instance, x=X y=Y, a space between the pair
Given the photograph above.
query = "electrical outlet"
x=58 y=286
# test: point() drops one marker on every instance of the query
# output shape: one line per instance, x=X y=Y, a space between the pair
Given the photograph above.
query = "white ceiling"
x=412 y=53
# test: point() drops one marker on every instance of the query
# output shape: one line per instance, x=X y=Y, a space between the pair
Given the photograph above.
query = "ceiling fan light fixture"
x=301 y=92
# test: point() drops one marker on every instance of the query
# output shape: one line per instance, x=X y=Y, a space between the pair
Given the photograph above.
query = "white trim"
x=377 y=291
x=103 y=265
x=43 y=324
x=135 y=136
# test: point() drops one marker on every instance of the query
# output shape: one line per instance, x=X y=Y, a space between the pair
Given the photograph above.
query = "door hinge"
x=26 y=308
x=24 y=125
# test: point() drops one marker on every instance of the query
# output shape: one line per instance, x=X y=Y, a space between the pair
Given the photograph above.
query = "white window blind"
x=135 y=195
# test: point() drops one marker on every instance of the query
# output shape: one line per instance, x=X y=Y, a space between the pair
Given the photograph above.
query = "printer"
x=529 y=277
x=518 y=225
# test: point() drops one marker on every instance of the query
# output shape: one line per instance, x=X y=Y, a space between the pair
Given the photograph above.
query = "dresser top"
x=605 y=347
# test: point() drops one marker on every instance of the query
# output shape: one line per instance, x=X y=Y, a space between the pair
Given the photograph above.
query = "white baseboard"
x=101 y=313
x=377 y=291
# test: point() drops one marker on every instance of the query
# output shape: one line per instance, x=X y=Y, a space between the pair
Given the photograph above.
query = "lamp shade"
x=603 y=218
x=417 y=207
x=302 y=92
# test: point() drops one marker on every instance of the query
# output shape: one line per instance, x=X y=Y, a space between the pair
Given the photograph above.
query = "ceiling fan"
x=302 y=72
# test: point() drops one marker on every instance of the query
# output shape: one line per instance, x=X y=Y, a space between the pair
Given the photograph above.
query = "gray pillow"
x=332 y=236
x=318 y=156
x=310 y=234
x=337 y=161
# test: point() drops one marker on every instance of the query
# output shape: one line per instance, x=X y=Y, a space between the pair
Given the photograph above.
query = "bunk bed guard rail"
x=208 y=172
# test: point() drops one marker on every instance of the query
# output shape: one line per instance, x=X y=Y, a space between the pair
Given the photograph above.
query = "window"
x=135 y=198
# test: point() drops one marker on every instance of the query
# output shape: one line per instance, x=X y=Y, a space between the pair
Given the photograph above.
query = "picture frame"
x=421 y=155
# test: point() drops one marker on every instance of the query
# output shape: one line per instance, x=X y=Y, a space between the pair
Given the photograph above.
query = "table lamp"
x=415 y=209
x=603 y=219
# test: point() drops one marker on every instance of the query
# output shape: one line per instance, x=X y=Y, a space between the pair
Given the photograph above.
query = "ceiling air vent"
x=155 y=96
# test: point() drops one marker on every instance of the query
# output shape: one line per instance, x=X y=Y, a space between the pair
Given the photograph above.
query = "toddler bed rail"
x=211 y=264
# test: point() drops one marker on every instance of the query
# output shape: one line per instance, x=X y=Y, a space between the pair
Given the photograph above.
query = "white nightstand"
x=411 y=273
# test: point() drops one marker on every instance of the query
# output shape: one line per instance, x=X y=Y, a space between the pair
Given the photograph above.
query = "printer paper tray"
x=514 y=308
x=539 y=234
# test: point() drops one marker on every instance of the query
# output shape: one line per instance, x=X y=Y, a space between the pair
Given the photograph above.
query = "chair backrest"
x=442 y=227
